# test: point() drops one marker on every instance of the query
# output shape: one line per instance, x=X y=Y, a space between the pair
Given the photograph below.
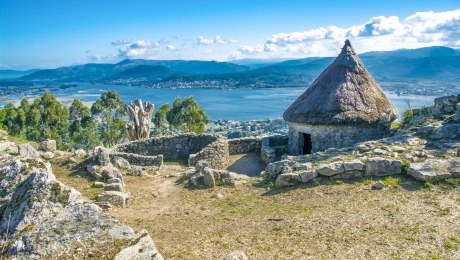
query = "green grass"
x=391 y=182
x=181 y=162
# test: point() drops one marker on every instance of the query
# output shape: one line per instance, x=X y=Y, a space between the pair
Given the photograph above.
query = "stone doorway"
x=305 y=143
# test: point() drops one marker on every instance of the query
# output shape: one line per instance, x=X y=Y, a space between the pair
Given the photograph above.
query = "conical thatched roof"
x=344 y=94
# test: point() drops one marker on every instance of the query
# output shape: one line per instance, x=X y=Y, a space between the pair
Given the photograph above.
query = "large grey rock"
x=140 y=247
x=99 y=184
x=102 y=155
x=109 y=172
x=456 y=117
x=353 y=165
x=47 y=146
x=117 y=198
x=379 y=166
x=288 y=179
x=208 y=176
x=201 y=165
x=445 y=105
x=303 y=167
x=236 y=255
x=7 y=146
x=48 y=155
x=136 y=170
x=225 y=178
x=26 y=150
x=121 y=163
x=276 y=168
x=432 y=170
x=331 y=169
x=44 y=217
x=114 y=187
x=80 y=153
x=447 y=131
x=308 y=175
x=94 y=170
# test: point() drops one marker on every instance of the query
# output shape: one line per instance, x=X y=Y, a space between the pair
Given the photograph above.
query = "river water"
x=236 y=104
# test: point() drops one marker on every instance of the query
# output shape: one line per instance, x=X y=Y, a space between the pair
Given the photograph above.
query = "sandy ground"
x=328 y=220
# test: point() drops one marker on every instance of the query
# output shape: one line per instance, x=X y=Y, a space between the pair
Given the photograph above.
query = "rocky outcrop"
x=26 y=150
x=433 y=170
x=47 y=146
x=43 y=218
x=378 y=166
x=204 y=176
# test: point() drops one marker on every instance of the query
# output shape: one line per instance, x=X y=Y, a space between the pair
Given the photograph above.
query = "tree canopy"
x=185 y=115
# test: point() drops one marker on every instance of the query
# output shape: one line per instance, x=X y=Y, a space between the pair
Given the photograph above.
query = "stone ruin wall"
x=324 y=137
x=213 y=148
x=244 y=145
x=216 y=154
x=273 y=147
x=137 y=159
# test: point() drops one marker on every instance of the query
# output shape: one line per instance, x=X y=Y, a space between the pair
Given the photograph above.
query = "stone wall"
x=216 y=154
x=181 y=147
x=324 y=137
x=137 y=159
x=244 y=145
x=273 y=147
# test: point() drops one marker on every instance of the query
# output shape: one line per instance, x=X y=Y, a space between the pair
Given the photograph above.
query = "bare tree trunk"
x=140 y=117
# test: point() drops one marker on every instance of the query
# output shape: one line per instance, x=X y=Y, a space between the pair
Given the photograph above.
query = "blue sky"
x=46 y=34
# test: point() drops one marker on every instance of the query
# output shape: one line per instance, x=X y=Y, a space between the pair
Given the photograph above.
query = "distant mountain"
x=431 y=63
x=427 y=52
x=192 y=66
x=11 y=74
x=87 y=72
x=93 y=72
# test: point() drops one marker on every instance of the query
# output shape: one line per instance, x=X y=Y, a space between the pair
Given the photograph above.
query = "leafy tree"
x=47 y=118
x=160 y=120
x=185 y=115
x=109 y=112
x=11 y=119
x=82 y=129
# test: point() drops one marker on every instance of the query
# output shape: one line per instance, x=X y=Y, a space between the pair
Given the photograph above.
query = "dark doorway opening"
x=306 y=148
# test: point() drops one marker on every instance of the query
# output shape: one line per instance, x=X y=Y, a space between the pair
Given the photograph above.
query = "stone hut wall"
x=244 y=145
x=324 y=137
x=181 y=147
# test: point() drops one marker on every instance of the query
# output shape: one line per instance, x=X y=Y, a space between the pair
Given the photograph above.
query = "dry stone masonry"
x=191 y=147
x=244 y=145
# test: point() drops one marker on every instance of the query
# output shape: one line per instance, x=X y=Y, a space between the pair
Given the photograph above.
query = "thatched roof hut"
x=344 y=94
x=343 y=106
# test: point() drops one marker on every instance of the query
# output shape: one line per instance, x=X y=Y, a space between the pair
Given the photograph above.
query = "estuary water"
x=236 y=104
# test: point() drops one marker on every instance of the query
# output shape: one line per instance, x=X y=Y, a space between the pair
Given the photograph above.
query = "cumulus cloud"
x=421 y=29
x=201 y=40
x=137 y=49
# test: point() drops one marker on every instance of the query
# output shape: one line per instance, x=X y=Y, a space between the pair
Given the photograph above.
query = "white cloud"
x=421 y=29
x=201 y=40
x=170 y=47
x=137 y=49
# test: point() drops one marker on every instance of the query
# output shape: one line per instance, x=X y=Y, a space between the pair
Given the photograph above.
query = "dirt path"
x=248 y=164
x=330 y=220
